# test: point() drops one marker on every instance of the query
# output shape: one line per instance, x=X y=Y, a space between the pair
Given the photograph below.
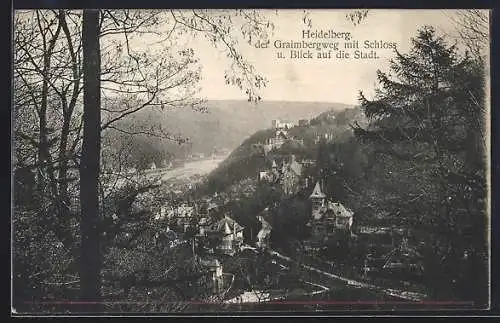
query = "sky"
x=330 y=80
x=320 y=80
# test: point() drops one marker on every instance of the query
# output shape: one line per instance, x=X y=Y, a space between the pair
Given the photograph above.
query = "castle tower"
x=318 y=200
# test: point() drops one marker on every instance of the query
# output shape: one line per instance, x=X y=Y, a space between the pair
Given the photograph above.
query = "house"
x=214 y=278
x=327 y=217
x=182 y=215
x=317 y=198
x=204 y=225
x=290 y=176
x=272 y=175
x=343 y=216
x=403 y=260
x=162 y=213
x=224 y=236
x=206 y=240
x=231 y=234
x=265 y=176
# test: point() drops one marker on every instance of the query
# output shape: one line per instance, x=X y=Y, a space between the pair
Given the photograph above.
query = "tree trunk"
x=90 y=261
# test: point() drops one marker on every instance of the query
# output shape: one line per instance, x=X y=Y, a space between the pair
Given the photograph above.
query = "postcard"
x=195 y=161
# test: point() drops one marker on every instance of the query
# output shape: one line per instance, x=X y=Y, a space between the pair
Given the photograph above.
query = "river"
x=181 y=174
x=198 y=167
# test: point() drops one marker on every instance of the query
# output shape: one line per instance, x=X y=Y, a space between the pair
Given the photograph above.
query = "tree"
x=343 y=167
x=422 y=118
x=90 y=261
x=46 y=58
x=472 y=27
x=48 y=84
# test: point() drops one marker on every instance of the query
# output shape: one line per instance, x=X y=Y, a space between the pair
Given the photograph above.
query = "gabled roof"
x=340 y=210
x=226 y=229
x=281 y=133
x=317 y=192
x=226 y=225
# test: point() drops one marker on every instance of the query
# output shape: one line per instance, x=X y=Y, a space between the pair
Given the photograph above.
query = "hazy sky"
x=319 y=80
x=332 y=80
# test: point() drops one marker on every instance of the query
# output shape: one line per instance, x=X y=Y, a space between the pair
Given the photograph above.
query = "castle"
x=278 y=124
x=281 y=135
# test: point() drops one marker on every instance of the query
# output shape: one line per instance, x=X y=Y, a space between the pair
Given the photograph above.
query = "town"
x=208 y=226
x=162 y=162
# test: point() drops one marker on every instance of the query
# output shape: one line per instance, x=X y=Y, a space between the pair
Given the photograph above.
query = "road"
x=334 y=284
x=347 y=287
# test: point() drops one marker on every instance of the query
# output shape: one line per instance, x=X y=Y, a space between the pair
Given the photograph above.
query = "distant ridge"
x=224 y=125
x=228 y=122
x=246 y=160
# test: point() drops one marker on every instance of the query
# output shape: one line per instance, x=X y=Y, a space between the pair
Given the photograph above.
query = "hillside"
x=225 y=124
x=247 y=159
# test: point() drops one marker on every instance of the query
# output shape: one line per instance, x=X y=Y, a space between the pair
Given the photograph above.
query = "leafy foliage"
x=426 y=129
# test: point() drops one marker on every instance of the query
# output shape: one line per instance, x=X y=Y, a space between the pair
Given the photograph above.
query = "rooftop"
x=226 y=225
x=317 y=193
x=339 y=209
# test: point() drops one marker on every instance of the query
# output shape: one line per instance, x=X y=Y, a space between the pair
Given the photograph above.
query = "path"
x=411 y=296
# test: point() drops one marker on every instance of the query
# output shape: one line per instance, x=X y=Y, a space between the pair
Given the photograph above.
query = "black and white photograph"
x=187 y=161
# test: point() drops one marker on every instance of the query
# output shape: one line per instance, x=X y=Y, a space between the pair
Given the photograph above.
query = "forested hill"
x=248 y=158
x=227 y=123
x=223 y=125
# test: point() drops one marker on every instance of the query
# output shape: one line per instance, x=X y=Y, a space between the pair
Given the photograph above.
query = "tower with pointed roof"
x=317 y=198
x=231 y=234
